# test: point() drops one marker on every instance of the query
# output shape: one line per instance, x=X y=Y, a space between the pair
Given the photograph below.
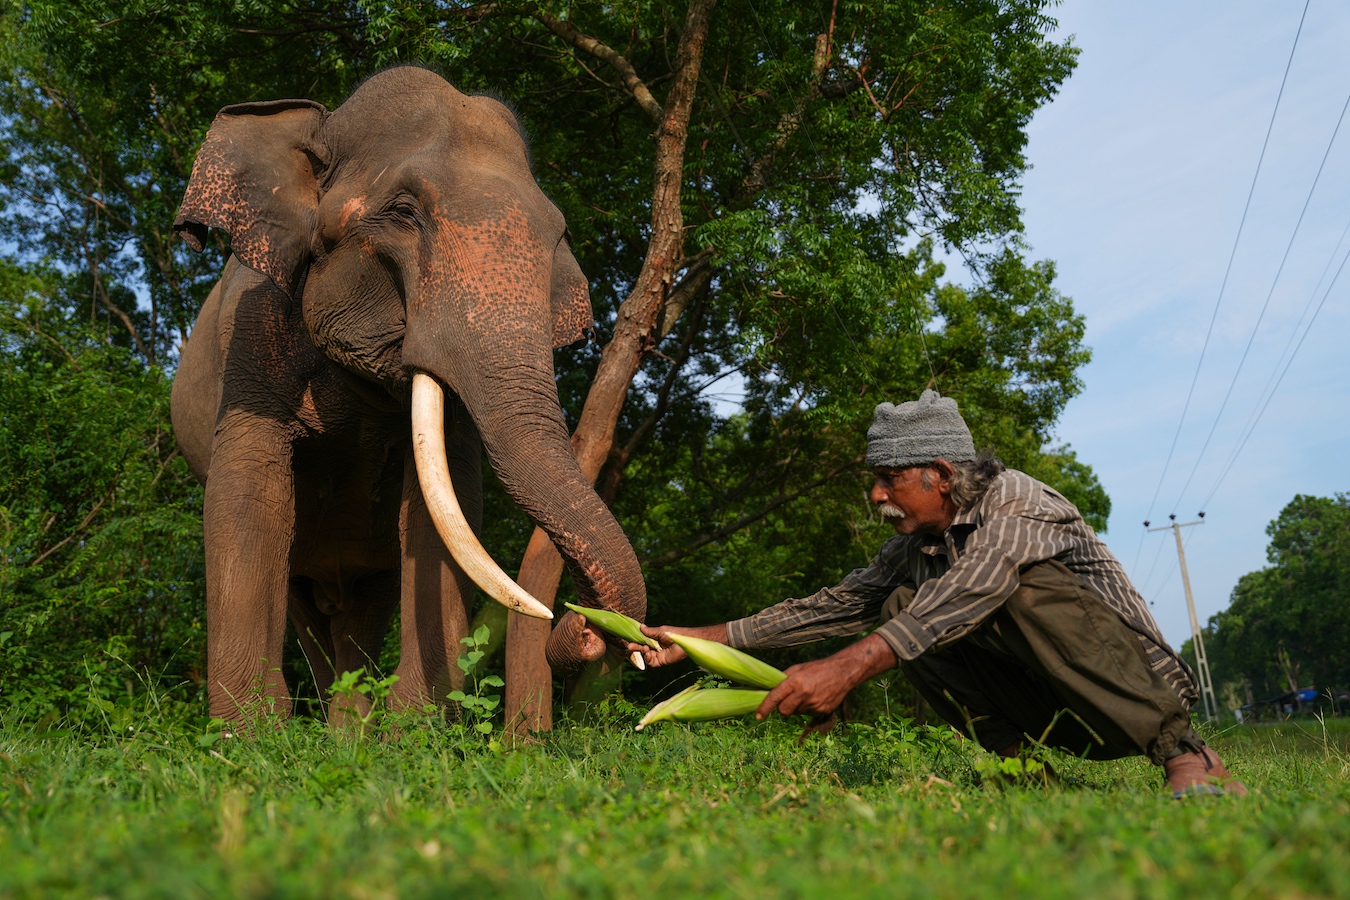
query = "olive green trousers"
x=1057 y=665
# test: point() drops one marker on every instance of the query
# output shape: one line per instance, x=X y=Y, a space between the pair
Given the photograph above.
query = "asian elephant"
x=397 y=285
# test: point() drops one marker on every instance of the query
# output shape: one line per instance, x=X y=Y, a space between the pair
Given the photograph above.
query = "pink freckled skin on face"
x=356 y=206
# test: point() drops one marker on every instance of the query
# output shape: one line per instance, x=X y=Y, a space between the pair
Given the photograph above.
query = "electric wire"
x=1231 y=257
x=1265 y=306
x=1243 y=443
x=1261 y=398
x=1149 y=577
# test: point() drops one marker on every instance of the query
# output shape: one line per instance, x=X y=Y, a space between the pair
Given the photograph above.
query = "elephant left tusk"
x=433 y=472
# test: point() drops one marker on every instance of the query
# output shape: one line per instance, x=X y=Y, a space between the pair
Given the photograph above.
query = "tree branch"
x=693 y=284
x=756 y=179
x=616 y=60
x=74 y=534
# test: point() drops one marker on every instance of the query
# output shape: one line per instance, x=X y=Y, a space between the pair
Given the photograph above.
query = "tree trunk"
x=528 y=678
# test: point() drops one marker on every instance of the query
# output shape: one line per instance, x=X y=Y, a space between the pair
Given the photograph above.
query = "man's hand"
x=671 y=652
x=818 y=687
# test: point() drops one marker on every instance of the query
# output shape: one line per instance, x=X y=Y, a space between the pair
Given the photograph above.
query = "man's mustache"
x=890 y=512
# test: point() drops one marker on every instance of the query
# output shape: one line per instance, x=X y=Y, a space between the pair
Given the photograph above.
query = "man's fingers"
x=668 y=654
x=771 y=702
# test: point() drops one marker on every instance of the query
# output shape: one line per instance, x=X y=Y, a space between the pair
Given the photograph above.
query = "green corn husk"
x=658 y=712
x=695 y=705
x=729 y=662
x=616 y=624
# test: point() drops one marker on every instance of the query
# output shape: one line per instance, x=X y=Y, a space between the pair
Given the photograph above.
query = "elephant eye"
x=406 y=210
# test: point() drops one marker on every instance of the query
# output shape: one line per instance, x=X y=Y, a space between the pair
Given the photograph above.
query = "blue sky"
x=1142 y=166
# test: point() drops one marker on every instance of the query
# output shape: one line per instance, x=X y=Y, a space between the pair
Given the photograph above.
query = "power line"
x=1269 y=294
x=1243 y=443
x=1261 y=398
x=1228 y=271
x=1149 y=576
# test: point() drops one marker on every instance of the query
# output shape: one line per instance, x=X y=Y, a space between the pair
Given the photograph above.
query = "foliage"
x=713 y=810
x=356 y=689
x=1287 y=626
x=100 y=528
x=478 y=706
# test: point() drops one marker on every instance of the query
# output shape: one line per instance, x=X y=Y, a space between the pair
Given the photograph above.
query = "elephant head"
x=408 y=226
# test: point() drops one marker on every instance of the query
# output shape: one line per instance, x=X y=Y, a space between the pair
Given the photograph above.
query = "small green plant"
x=1012 y=769
x=478 y=707
x=355 y=684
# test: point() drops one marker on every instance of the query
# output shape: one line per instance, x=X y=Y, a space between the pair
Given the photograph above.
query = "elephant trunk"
x=510 y=393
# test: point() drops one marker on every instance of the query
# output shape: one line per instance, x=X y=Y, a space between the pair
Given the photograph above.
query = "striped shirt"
x=962 y=578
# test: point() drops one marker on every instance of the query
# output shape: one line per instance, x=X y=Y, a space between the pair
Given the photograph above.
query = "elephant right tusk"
x=433 y=471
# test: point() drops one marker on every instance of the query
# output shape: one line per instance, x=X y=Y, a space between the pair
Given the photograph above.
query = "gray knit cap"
x=918 y=432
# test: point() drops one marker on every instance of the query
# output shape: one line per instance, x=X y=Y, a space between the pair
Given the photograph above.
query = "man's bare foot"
x=1198 y=773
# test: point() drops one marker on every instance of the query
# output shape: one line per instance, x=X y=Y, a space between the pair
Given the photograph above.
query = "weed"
x=477 y=706
x=363 y=697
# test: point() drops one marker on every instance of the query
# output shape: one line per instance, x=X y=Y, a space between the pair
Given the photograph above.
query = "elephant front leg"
x=249 y=526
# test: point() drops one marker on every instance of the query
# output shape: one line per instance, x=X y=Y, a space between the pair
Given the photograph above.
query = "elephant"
x=396 y=287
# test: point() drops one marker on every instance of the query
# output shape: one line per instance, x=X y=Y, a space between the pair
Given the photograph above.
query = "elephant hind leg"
x=314 y=630
x=349 y=639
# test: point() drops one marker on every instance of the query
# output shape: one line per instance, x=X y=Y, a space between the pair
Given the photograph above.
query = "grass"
x=149 y=806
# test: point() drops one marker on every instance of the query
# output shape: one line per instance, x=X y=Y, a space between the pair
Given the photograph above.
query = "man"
x=1004 y=609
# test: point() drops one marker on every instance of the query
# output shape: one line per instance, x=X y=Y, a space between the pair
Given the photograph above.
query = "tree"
x=756 y=189
x=1287 y=624
x=100 y=522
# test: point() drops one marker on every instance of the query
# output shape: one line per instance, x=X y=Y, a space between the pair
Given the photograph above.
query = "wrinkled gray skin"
x=402 y=231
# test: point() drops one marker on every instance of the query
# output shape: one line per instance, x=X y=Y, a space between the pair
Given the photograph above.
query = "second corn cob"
x=729 y=662
x=695 y=705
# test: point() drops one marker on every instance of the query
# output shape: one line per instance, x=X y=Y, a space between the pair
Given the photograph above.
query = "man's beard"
x=887 y=511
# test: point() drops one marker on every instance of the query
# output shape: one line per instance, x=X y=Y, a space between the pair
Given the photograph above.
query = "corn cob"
x=729 y=662
x=616 y=624
x=658 y=712
x=694 y=705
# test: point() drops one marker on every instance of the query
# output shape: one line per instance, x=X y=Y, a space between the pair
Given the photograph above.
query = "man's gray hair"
x=970 y=479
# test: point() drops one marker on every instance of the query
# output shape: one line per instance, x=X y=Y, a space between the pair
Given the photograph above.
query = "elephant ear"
x=255 y=177
x=573 y=321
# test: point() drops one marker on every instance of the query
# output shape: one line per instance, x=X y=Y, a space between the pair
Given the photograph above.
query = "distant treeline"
x=1288 y=625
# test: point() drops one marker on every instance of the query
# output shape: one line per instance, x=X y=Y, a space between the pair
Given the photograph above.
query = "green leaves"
x=477 y=706
x=100 y=519
x=1286 y=626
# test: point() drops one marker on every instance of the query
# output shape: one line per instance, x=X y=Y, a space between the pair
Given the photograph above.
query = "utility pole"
x=1198 y=639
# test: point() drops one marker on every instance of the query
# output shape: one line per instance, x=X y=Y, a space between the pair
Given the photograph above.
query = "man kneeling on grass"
x=1001 y=605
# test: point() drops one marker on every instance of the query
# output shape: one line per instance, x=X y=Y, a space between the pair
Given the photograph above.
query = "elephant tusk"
x=638 y=661
x=433 y=471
